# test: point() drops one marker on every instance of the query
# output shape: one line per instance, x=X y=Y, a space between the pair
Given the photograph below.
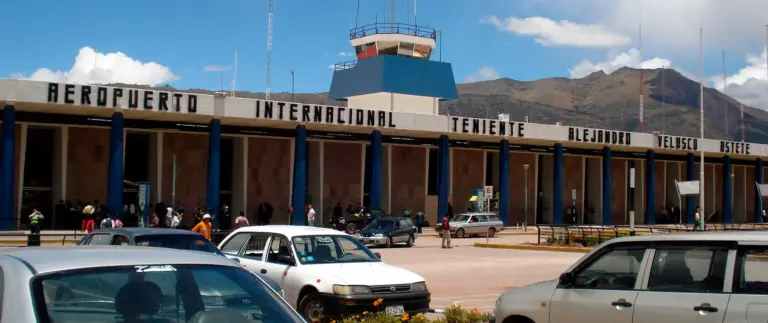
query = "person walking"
x=420 y=220
x=241 y=221
x=204 y=227
x=445 y=227
x=310 y=216
x=34 y=221
x=116 y=221
x=697 y=220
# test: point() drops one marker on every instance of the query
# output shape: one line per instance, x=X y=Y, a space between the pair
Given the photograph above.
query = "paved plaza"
x=475 y=277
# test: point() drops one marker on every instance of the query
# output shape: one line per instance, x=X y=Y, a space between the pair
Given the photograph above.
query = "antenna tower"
x=269 y=46
x=640 y=32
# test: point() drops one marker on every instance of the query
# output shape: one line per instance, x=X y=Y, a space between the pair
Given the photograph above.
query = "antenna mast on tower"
x=269 y=46
x=640 y=52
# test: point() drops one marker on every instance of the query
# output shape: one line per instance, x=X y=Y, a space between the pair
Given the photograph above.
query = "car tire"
x=410 y=241
x=460 y=233
x=390 y=243
x=350 y=228
x=312 y=308
x=491 y=232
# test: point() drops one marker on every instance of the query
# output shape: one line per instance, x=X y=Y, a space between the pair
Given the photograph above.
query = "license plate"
x=395 y=310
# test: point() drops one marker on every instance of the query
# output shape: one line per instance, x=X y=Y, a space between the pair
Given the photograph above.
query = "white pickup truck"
x=325 y=273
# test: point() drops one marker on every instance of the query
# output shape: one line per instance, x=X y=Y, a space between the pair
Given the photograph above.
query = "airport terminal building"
x=389 y=149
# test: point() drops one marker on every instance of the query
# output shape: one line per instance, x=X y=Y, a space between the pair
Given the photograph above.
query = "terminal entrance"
x=135 y=170
x=37 y=186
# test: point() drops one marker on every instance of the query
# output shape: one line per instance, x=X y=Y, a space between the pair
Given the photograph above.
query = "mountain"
x=599 y=100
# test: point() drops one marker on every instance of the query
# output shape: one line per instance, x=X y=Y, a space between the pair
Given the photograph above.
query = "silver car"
x=475 y=224
x=664 y=278
x=132 y=284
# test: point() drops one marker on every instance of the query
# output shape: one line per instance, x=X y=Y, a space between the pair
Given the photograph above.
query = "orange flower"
x=365 y=313
x=404 y=317
x=378 y=302
x=473 y=310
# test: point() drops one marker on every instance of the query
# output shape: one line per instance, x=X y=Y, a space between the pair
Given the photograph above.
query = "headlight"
x=351 y=290
x=419 y=287
x=379 y=235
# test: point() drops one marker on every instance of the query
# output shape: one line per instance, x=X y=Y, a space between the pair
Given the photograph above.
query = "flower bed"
x=454 y=314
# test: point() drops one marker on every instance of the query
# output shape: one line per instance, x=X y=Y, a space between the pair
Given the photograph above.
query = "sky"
x=192 y=44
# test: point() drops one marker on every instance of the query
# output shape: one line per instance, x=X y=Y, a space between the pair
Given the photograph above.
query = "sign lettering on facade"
x=735 y=147
x=677 y=143
x=488 y=127
x=599 y=136
x=112 y=97
x=290 y=111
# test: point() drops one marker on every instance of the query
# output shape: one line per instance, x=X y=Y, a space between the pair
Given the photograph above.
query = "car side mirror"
x=566 y=279
x=378 y=255
x=285 y=260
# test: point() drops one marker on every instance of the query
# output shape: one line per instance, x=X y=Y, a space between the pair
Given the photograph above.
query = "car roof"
x=59 y=258
x=393 y=218
x=144 y=231
x=291 y=230
x=478 y=213
x=734 y=236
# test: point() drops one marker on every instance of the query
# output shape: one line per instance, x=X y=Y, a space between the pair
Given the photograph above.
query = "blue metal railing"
x=392 y=28
x=344 y=65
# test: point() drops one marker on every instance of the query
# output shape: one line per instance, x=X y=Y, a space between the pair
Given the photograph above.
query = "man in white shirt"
x=310 y=216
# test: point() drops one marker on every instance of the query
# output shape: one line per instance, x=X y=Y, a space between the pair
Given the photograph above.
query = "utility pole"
x=725 y=109
x=293 y=90
x=269 y=47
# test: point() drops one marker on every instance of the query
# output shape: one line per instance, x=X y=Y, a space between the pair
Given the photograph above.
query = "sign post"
x=143 y=203
x=488 y=193
x=632 y=200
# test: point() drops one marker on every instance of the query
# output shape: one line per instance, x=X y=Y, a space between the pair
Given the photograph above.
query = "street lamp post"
x=525 y=217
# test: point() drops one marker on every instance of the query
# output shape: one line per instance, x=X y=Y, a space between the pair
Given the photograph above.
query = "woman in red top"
x=88 y=224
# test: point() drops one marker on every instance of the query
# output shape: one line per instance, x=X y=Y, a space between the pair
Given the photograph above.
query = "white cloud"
x=216 y=68
x=484 y=73
x=630 y=58
x=346 y=54
x=548 y=32
x=93 y=67
x=750 y=84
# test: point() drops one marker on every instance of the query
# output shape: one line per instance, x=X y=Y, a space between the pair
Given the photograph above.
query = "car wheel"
x=491 y=232
x=460 y=233
x=409 y=243
x=312 y=308
x=351 y=228
x=390 y=243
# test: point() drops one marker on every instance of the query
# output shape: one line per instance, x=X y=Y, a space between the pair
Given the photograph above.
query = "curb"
x=532 y=247
x=497 y=234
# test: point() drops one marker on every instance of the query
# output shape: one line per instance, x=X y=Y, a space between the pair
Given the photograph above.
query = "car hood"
x=368 y=274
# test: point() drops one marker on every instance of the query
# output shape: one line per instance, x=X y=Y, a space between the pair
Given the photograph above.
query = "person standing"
x=34 y=221
x=446 y=232
x=241 y=221
x=261 y=214
x=697 y=220
x=310 y=216
x=116 y=221
x=450 y=211
x=225 y=222
x=176 y=221
x=204 y=227
x=420 y=220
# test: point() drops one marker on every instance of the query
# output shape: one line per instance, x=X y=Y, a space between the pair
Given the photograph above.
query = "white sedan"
x=326 y=273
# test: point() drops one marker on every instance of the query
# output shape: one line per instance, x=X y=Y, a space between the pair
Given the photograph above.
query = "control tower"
x=393 y=71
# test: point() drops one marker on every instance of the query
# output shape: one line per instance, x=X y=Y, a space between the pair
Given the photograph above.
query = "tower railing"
x=344 y=65
x=392 y=28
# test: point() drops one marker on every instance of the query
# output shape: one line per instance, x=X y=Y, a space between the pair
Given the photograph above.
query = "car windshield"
x=157 y=293
x=461 y=218
x=178 y=241
x=331 y=249
x=380 y=224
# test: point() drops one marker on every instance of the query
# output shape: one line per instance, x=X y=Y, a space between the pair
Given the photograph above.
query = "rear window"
x=157 y=293
x=178 y=241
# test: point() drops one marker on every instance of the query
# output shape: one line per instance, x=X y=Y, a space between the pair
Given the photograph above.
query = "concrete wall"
x=517 y=181
x=467 y=168
x=191 y=164
x=87 y=164
x=619 y=191
x=594 y=193
x=343 y=167
x=408 y=178
x=269 y=176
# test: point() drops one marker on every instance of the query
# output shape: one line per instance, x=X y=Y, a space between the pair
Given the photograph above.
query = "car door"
x=401 y=231
x=273 y=268
x=232 y=247
x=482 y=224
x=120 y=240
x=749 y=298
x=603 y=289
x=252 y=255
x=685 y=284
x=99 y=239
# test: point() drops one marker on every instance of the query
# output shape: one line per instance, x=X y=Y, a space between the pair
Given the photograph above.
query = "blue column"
x=504 y=182
x=442 y=177
x=727 y=189
x=607 y=219
x=557 y=195
x=376 y=181
x=690 y=200
x=115 y=172
x=758 y=198
x=299 y=199
x=7 y=165
x=650 y=187
x=213 y=186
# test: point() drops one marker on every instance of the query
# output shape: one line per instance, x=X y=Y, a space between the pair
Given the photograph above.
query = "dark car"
x=388 y=231
x=159 y=237
x=356 y=220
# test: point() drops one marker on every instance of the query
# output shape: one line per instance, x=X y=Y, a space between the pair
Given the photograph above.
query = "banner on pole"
x=762 y=189
x=688 y=188
x=143 y=204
